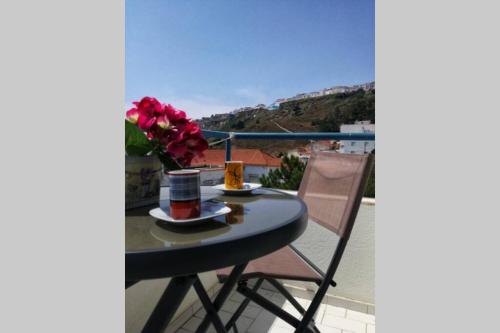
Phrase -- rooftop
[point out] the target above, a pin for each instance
(217, 157)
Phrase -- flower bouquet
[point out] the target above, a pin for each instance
(158, 137)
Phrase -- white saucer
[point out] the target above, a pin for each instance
(209, 210)
(247, 188)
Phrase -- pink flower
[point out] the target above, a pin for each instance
(163, 122)
(192, 128)
(133, 116)
(171, 131)
(174, 115)
(150, 106)
(145, 122)
(177, 149)
(189, 143)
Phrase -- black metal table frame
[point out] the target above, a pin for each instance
(175, 293)
(145, 265)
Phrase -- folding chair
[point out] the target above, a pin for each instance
(332, 188)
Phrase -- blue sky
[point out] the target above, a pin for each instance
(209, 57)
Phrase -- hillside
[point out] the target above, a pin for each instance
(319, 114)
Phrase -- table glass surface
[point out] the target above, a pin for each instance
(262, 210)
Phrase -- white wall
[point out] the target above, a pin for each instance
(254, 172)
(356, 147)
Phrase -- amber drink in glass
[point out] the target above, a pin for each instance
(233, 175)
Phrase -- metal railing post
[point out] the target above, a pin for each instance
(228, 150)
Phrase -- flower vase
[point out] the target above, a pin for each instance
(142, 181)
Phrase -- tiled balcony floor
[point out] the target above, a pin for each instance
(335, 315)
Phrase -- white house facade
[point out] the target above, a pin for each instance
(357, 147)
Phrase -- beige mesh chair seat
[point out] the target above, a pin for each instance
(332, 188)
(281, 264)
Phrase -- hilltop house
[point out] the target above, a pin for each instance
(327, 91)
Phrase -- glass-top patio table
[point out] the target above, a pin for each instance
(258, 224)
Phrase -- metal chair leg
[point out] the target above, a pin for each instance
(223, 294)
(243, 305)
(291, 299)
(316, 301)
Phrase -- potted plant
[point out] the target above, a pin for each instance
(158, 138)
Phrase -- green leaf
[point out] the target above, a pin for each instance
(136, 142)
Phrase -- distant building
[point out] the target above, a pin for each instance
(246, 108)
(321, 145)
(357, 147)
(256, 162)
(276, 104)
(364, 86)
(303, 153)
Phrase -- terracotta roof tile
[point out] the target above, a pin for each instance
(217, 157)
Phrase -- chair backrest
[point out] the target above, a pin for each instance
(332, 188)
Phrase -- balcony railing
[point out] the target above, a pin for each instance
(285, 136)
